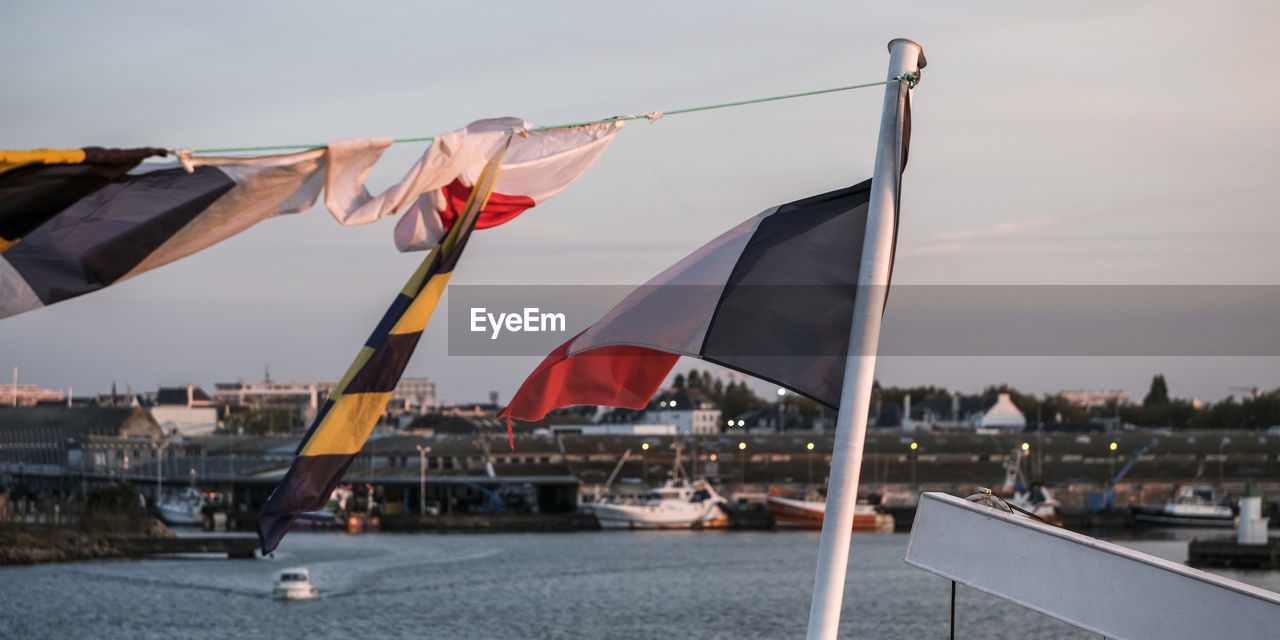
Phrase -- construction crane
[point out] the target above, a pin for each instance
(1105, 500)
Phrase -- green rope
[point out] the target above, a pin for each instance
(911, 80)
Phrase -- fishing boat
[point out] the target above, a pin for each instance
(674, 505)
(1038, 501)
(680, 503)
(1033, 498)
(1194, 506)
(807, 512)
(294, 584)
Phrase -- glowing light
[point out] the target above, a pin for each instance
(672, 403)
(781, 391)
(731, 423)
(1113, 446)
(713, 457)
(1026, 446)
(742, 446)
(645, 446)
(742, 423)
(809, 446)
(914, 445)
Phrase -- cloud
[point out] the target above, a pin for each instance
(965, 239)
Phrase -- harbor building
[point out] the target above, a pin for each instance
(185, 410)
(1094, 399)
(27, 395)
(411, 395)
(690, 410)
(52, 446)
(962, 412)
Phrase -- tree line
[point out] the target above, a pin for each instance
(1158, 408)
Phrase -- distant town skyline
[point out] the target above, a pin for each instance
(1089, 143)
(1116, 369)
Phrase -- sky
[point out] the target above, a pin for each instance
(1088, 143)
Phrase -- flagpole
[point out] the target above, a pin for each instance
(905, 56)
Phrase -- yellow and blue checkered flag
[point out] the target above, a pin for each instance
(351, 411)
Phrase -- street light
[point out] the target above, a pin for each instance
(782, 393)
(1225, 441)
(644, 462)
(422, 479)
(742, 447)
(159, 447)
(914, 446)
(810, 448)
(1113, 446)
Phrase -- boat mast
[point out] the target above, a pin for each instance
(905, 56)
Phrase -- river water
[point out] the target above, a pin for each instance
(612, 584)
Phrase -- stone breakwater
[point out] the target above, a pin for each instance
(36, 544)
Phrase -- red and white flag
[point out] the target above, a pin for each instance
(538, 165)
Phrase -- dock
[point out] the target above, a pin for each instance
(237, 547)
(1228, 553)
(491, 523)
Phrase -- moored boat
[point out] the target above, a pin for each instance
(801, 513)
(674, 505)
(679, 503)
(1039, 502)
(1194, 506)
(182, 509)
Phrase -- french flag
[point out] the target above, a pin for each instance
(772, 297)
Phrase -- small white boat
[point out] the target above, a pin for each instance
(294, 584)
(1195, 506)
(182, 508)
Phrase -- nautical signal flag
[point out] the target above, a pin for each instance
(538, 165)
(36, 185)
(772, 297)
(76, 221)
(344, 422)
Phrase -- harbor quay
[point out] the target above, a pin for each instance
(444, 481)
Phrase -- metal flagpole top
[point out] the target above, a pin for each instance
(920, 61)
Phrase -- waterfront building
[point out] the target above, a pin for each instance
(47, 444)
(614, 429)
(1001, 414)
(411, 395)
(186, 410)
(1094, 399)
(477, 410)
(27, 395)
(962, 412)
(690, 410)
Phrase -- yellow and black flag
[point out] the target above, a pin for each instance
(38, 184)
(348, 416)
(74, 221)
